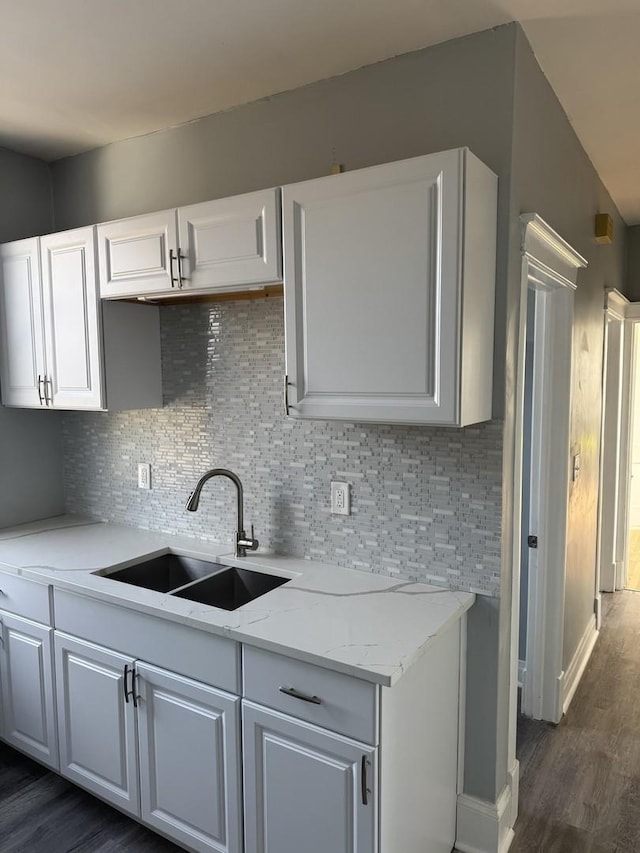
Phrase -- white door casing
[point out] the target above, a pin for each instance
(609, 516)
(550, 265)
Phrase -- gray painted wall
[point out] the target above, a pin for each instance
(30, 442)
(633, 263)
(458, 93)
(553, 176)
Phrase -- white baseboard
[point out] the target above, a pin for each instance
(485, 827)
(522, 672)
(570, 678)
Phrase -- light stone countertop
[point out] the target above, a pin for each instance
(362, 624)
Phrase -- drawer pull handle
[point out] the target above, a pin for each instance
(363, 780)
(131, 692)
(304, 697)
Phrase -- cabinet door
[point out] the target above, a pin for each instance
(304, 787)
(189, 760)
(96, 722)
(21, 326)
(137, 256)
(26, 680)
(231, 242)
(72, 320)
(371, 277)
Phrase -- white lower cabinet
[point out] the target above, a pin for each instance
(97, 726)
(189, 760)
(306, 788)
(26, 687)
(158, 745)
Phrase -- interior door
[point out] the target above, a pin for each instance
(72, 320)
(22, 365)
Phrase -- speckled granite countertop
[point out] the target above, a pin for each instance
(361, 624)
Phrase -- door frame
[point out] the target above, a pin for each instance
(616, 391)
(631, 323)
(550, 265)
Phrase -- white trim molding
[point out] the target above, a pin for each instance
(485, 827)
(522, 672)
(571, 676)
(545, 250)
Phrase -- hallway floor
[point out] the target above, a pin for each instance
(580, 780)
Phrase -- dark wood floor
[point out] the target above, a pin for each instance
(42, 813)
(580, 780)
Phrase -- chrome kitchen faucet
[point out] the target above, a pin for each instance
(242, 541)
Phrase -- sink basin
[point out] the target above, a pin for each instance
(231, 589)
(166, 572)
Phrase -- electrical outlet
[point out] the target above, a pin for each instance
(144, 475)
(340, 498)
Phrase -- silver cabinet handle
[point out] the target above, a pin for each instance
(181, 278)
(40, 385)
(48, 383)
(303, 697)
(172, 258)
(130, 692)
(286, 395)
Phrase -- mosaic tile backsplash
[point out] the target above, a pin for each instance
(426, 501)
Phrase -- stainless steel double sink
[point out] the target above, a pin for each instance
(198, 580)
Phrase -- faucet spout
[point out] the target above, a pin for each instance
(242, 541)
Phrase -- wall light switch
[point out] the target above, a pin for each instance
(340, 498)
(144, 475)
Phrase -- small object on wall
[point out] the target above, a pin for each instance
(604, 229)
(340, 498)
(576, 467)
(144, 475)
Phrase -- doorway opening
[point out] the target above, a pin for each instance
(633, 541)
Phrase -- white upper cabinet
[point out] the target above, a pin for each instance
(389, 277)
(217, 246)
(59, 347)
(137, 256)
(21, 324)
(72, 320)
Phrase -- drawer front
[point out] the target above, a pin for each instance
(346, 705)
(178, 648)
(25, 598)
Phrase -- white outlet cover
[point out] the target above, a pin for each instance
(144, 475)
(340, 498)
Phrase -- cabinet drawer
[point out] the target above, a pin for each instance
(25, 598)
(346, 705)
(196, 654)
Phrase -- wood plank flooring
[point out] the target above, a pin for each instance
(40, 812)
(580, 780)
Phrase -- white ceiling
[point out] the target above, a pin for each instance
(76, 74)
